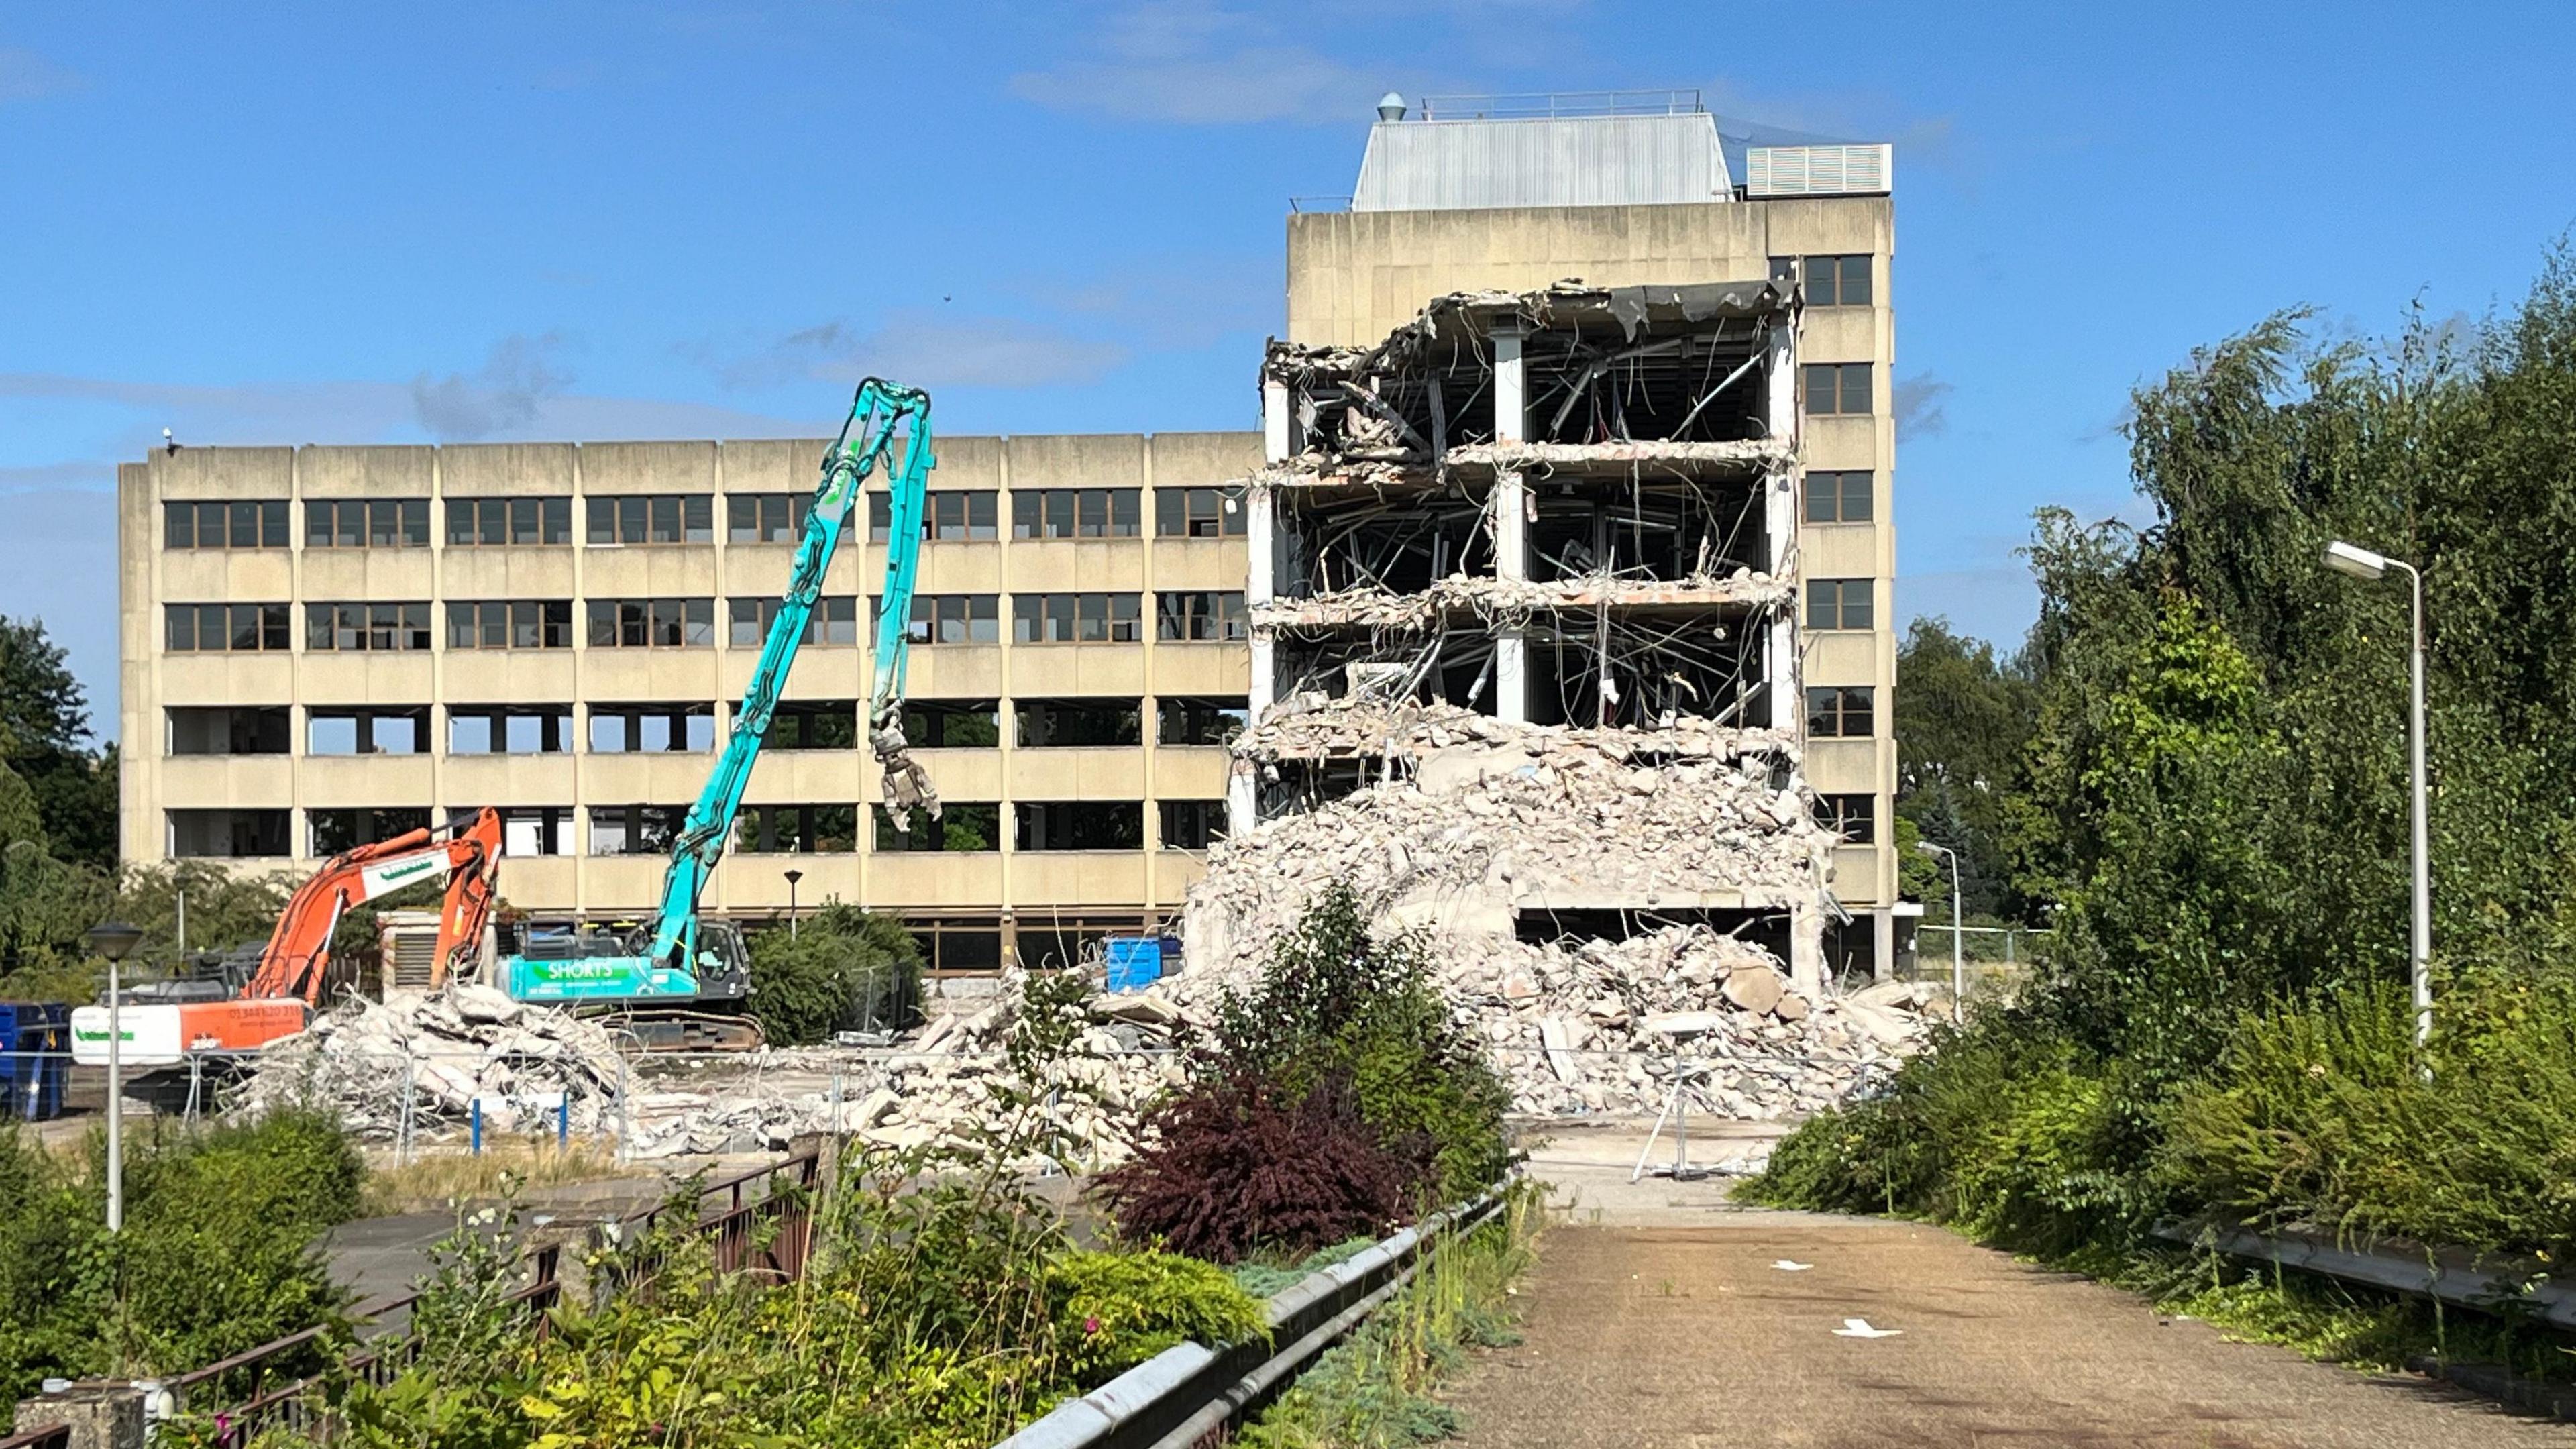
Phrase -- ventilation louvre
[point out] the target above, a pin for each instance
(1819, 170)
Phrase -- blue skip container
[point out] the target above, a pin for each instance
(1136, 962)
(35, 1058)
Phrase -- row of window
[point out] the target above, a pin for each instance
(618, 729)
(964, 827)
(671, 518)
(1179, 617)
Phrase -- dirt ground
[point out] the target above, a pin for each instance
(1656, 1317)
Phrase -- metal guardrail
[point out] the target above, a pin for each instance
(1189, 1391)
(2450, 1275)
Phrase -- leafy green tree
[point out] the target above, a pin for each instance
(44, 737)
(1963, 716)
(840, 970)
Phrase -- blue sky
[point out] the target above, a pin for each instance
(346, 223)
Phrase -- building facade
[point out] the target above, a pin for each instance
(1613, 325)
(1643, 354)
(325, 646)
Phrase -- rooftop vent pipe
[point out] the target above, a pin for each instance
(1390, 107)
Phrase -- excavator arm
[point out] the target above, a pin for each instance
(468, 858)
(880, 413)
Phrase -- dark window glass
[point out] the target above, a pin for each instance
(179, 628)
(1124, 508)
(1060, 506)
(272, 524)
(1841, 497)
(1853, 817)
(1192, 824)
(1028, 513)
(1179, 720)
(1855, 287)
(666, 520)
(962, 826)
(1048, 723)
(1839, 711)
(178, 525)
(952, 724)
(1840, 604)
(1200, 615)
(1079, 825)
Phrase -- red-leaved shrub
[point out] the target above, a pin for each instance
(1239, 1164)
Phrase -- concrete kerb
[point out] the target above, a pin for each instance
(1188, 1390)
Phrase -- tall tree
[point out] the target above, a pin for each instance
(45, 739)
(1963, 716)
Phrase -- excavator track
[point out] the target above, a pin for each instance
(684, 1031)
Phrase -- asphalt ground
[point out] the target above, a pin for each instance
(1656, 1316)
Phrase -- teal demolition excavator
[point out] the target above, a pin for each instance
(663, 980)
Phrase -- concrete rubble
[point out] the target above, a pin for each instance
(526, 1063)
(1466, 826)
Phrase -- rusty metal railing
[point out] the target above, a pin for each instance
(54, 1436)
(760, 1222)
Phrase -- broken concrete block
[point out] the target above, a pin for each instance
(1790, 1007)
(1757, 989)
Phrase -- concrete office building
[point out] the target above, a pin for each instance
(1582, 417)
(325, 646)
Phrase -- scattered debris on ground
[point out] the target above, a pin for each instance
(527, 1063)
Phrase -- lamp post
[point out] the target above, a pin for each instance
(2361, 563)
(1958, 921)
(113, 940)
(793, 877)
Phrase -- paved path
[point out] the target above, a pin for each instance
(1656, 1318)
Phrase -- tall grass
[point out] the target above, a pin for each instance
(1374, 1391)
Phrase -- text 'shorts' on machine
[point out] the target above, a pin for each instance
(655, 974)
(278, 1001)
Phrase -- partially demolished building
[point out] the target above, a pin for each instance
(1570, 558)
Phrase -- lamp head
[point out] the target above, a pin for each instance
(794, 876)
(2361, 563)
(113, 939)
(1925, 847)
(1390, 107)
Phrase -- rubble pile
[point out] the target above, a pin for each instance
(1503, 816)
(1597, 1026)
(528, 1063)
(445, 1050)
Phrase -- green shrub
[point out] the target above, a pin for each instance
(839, 971)
(2322, 1115)
(1337, 1001)
(218, 1253)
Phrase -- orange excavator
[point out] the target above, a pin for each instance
(279, 1000)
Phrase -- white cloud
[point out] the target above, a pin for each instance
(503, 396)
(924, 347)
(513, 397)
(1196, 63)
(27, 76)
(1922, 407)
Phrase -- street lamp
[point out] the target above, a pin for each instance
(1958, 932)
(113, 939)
(793, 877)
(2361, 563)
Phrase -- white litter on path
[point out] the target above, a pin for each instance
(1859, 1328)
(1787, 1266)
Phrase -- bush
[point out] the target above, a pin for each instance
(218, 1253)
(1336, 1001)
(1242, 1162)
(840, 971)
(1332, 1096)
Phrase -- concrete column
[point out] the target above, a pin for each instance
(1882, 944)
(1783, 504)
(1511, 520)
(1240, 813)
(1807, 948)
